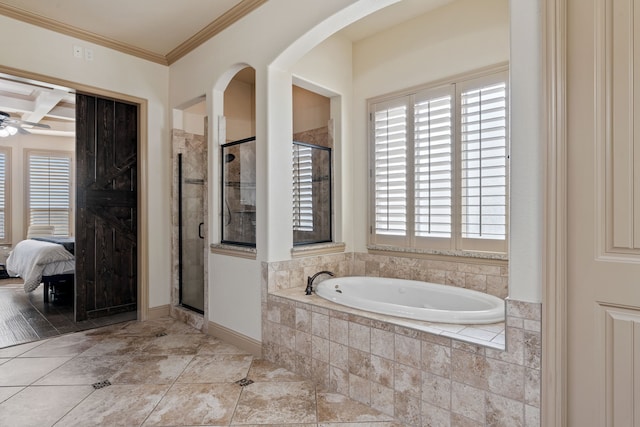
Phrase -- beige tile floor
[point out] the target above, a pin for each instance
(161, 373)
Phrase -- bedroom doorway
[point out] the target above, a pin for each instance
(42, 320)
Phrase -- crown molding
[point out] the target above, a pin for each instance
(225, 20)
(231, 16)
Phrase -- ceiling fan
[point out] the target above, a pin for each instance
(10, 125)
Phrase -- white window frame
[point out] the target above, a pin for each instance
(454, 86)
(27, 180)
(6, 191)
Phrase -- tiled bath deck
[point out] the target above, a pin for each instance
(162, 373)
(489, 335)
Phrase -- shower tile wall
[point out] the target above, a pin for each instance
(194, 171)
(419, 378)
(321, 191)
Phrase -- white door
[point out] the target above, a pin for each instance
(603, 187)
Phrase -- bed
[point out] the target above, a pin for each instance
(42, 260)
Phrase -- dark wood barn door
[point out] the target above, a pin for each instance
(106, 214)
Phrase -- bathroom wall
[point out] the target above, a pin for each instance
(239, 109)
(120, 73)
(310, 110)
(417, 377)
(462, 36)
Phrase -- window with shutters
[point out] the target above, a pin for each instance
(302, 188)
(5, 229)
(49, 190)
(311, 193)
(439, 174)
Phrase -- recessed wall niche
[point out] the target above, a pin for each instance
(312, 167)
(238, 162)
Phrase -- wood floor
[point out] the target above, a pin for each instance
(25, 317)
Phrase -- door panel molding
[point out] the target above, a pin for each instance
(617, 47)
(619, 334)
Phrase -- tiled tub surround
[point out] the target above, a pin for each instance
(484, 275)
(420, 376)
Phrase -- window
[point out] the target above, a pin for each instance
(5, 158)
(49, 190)
(311, 193)
(302, 188)
(439, 166)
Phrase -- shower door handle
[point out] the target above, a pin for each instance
(200, 230)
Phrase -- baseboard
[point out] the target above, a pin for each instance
(243, 342)
(154, 313)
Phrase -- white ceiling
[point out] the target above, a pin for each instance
(154, 27)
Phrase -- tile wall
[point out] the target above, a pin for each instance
(417, 377)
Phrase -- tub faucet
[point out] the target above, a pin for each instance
(310, 279)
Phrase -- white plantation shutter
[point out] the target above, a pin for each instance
(484, 161)
(4, 166)
(302, 187)
(439, 169)
(433, 163)
(49, 189)
(390, 129)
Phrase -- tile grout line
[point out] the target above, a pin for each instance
(235, 407)
(170, 386)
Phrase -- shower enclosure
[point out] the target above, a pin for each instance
(191, 233)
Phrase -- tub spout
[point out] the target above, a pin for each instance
(310, 279)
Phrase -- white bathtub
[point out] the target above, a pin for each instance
(413, 299)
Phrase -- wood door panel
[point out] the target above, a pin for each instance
(106, 241)
(603, 211)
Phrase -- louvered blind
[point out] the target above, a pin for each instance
(433, 151)
(3, 196)
(49, 191)
(439, 158)
(484, 162)
(390, 169)
(302, 187)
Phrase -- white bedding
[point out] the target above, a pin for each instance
(32, 259)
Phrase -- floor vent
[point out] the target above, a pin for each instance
(161, 334)
(244, 382)
(101, 384)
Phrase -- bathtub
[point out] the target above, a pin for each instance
(413, 299)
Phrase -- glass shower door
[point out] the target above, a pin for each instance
(191, 235)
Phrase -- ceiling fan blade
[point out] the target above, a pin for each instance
(19, 123)
(23, 131)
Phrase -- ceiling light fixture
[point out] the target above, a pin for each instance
(6, 130)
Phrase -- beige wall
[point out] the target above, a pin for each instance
(462, 36)
(310, 110)
(239, 110)
(19, 144)
(47, 53)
